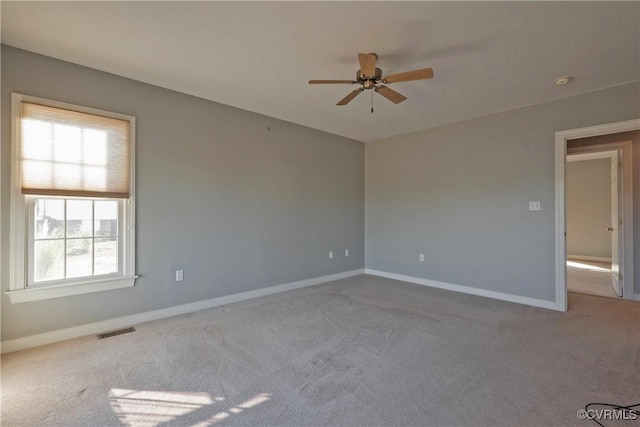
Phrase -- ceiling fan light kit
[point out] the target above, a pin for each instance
(370, 77)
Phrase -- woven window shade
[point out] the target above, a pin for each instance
(69, 153)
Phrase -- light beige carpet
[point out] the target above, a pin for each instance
(360, 351)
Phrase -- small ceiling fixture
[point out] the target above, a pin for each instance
(560, 81)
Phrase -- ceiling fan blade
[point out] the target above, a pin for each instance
(321, 82)
(367, 64)
(390, 94)
(425, 73)
(347, 99)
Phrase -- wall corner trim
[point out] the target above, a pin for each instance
(31, 341)
(534, 302)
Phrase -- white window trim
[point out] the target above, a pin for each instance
(18, 289)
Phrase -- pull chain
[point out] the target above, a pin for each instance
(371, 102)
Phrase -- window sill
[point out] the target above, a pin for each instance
(65, 290)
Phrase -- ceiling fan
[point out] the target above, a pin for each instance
(370, 77)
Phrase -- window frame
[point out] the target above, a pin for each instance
(20, 290)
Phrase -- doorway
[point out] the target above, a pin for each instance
(593, 198)
(611, 134)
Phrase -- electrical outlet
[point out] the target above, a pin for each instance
(330, 254)
(421, 258)
(179, 275)
(346, 252)
(534, 206)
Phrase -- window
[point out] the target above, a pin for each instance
(72, 238)
(72, 200)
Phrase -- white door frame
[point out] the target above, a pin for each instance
(560, 234)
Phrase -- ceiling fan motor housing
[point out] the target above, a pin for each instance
(369, 82)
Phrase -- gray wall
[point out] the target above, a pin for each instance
(588, 208)
(459, 194)
(634, 137)
(238, 200)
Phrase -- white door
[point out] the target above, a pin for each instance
(616, 227)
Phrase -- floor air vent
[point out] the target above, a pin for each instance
(114, 333)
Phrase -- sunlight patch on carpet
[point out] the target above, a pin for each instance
(586, 266)
(152, 408)
(247, 404)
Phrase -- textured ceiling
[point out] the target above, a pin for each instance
(258, 56)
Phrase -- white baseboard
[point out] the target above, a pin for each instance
(552, 305)
(589, 258)
(23, 343)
